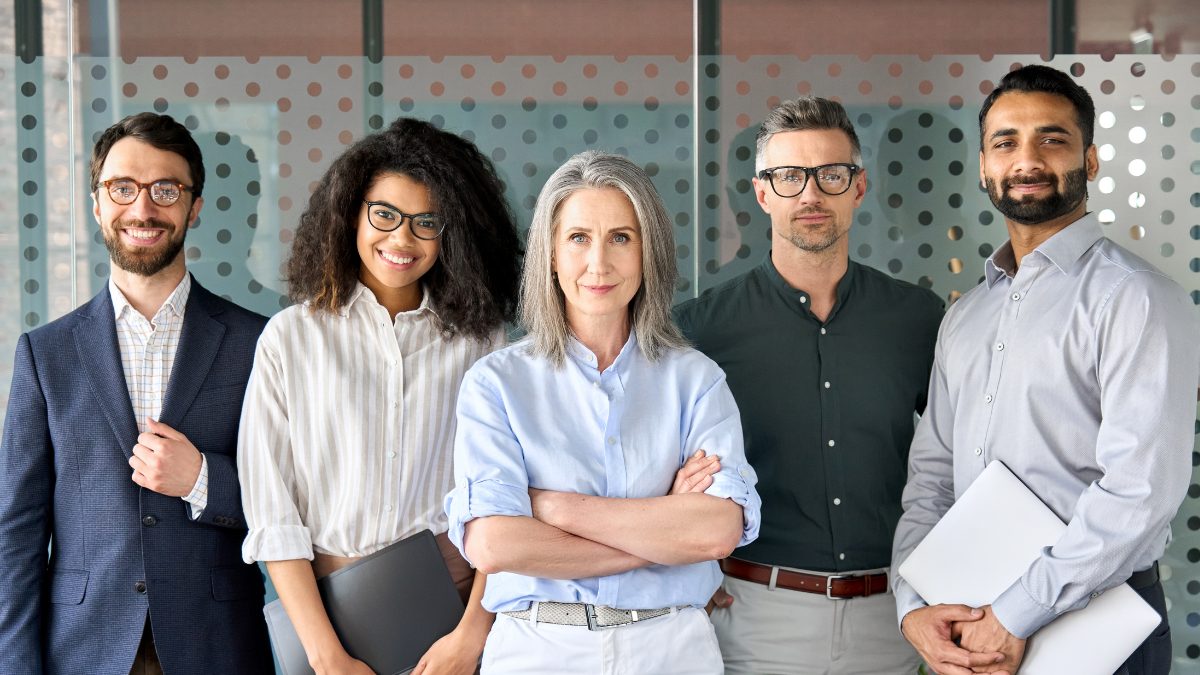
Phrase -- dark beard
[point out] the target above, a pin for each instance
(1033, 210)
(145, 263)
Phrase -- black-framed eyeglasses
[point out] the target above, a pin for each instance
(832, 179)
(125, 191)
(385, 218)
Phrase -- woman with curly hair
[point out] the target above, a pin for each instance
(404, 269)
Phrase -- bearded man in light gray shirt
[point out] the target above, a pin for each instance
(1075, 363)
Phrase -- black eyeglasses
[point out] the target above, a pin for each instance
(383, 217)
(125, 191)
(789, 181)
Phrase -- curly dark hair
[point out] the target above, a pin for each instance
(473, 283)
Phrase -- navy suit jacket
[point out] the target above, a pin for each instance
(118, 551)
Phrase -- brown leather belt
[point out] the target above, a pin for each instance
(835, 586)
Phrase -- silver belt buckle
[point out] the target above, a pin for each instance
(589, 613)
(829, 584)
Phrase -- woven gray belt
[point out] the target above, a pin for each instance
(595, 617)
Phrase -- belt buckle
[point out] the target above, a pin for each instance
(829, 584)
(589, 613)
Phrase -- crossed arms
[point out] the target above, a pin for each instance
(504, 520)
(572, 536)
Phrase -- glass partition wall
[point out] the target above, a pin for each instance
(273, 90)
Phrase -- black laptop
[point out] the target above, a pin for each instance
(387, 608)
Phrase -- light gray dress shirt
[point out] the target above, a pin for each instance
(1079, 372)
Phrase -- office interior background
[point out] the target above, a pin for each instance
(273, 90)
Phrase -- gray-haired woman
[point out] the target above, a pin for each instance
(568, 454)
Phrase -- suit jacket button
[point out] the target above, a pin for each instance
(139, 586)
(149, 521)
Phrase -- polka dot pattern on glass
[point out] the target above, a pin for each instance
(270, 126)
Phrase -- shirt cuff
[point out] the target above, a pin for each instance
(197, 499)
(480, 500)
(1020, 613)
(278, 542)
(739, 487)
(907, 600)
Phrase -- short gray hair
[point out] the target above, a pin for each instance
(542, 311)
(804, 114)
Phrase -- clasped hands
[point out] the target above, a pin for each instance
(961, 640)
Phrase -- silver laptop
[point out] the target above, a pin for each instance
(387, 608)
(987, 540)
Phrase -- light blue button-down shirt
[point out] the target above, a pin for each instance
(1078, 371)
(625, 432)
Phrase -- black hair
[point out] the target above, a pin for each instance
(1044, 79)
(473, 283)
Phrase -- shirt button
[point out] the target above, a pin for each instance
(612, 440)
(822, 331)
(387, 507)
(1016, 296)
(596, 385)
(987, 399)
(837, 501)
(392, 455)
(999, 346)
(841, 556)
(139, 586)
(831, 444)
(149, 521)
(978, 451)
(803, 299)
(827, 385)
(1095, 595)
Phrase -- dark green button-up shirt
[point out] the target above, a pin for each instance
(827, 408)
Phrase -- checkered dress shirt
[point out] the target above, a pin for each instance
(148, 350)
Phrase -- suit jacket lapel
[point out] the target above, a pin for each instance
(199, 342)
(100, 356)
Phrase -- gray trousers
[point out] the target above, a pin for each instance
(790, 632)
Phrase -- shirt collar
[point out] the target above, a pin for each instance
(1063, 249)
(363, 294)
(579, 352)
(175, 303)
(844, 285)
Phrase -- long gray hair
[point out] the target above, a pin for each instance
(541, 309)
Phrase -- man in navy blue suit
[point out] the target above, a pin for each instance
(120, 515)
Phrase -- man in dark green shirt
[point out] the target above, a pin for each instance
(828, 361)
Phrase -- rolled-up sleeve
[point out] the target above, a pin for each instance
(715, 426)
(490, 477)
(266, 465)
